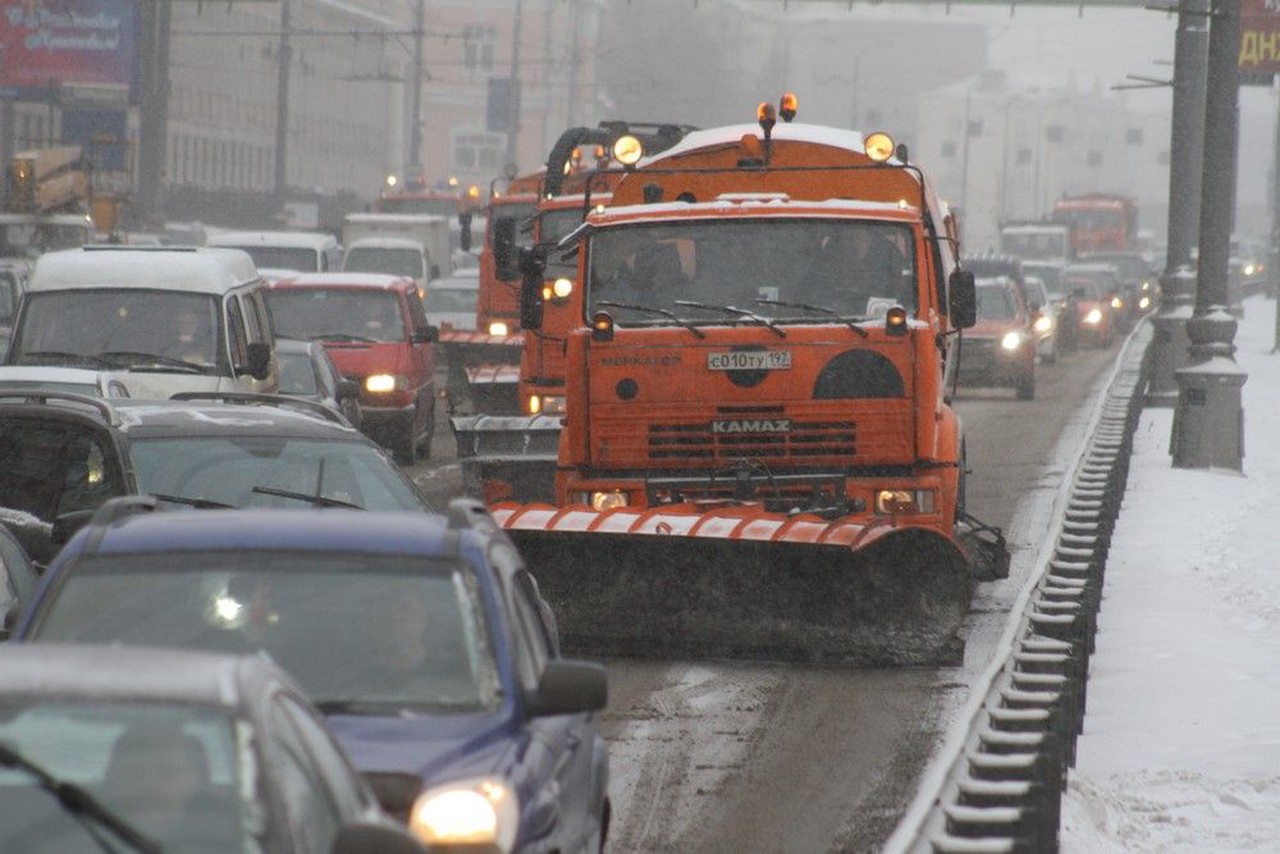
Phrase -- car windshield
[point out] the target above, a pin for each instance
(121, 328)
(996, 302)
(336, 313)
(283, 257)
(357, 629)
(1083, 288)
(553, 226)
(1050, 274)
(296, 374)
(446, 299)
(245, 471)
(392, 261)
(853, 268)
(180, 774)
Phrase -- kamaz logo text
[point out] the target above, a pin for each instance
(776, 425)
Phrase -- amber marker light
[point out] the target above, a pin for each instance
(879, 146)
(602, 326)
(787, 106)
(766, 116)
(895, 321)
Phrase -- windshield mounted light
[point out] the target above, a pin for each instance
(895, 321)
(627, 150)
(499, 329)
(879, 146)
(602, 326)
(787, 106)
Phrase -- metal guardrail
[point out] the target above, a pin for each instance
(997, 786)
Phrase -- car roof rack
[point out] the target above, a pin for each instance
(28, 395)
(281, 400)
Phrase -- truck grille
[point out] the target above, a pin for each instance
(764, 436)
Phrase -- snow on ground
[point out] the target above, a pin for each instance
(1181, 742)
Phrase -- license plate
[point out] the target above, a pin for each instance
(750, 360)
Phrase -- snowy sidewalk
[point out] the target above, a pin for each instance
(1181, 743)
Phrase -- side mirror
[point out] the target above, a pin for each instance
(505, 258)
(425, 335)
(962, 299)
(258, 360)
(434, 271)
(371, 838)
(568, 688)
(533, 263)
(347, 389)
(66, 524)
(464, 232)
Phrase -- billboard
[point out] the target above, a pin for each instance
(1259, 37)
(46, 44)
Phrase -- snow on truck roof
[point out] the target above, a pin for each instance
(771, 204)
(197, 270)
(850, 140)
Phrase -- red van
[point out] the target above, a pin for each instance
(376, 331)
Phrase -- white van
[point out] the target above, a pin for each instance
(281, 253)
(162, 319)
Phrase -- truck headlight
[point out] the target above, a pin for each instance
(894, 502)
(562, 287)
(1094, 317)
(1011, 340)
(499, 329)
(383, 383)
(609, 500)
(549, 404)
(481, 812)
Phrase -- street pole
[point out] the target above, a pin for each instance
(284, 58)
(514, 126)
(1208, 425)
(1186, 157)
(413, 157)
(153, 107)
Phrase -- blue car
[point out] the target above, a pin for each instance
(422, 639)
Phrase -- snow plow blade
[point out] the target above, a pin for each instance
(475, 359)
(508, 457)
(743, 583)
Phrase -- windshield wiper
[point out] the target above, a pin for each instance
(343, 336)
(818, 309)
(201, 503)
(37, 358)
(665, 312)
(81, 804)
(153, 358)
(318, 500)
(737, 312)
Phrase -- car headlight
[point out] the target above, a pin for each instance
(1044, 323)
(1250, 269)
(1011, 340)
(481, 812)
(894, 502)
(1144, 303)
(1094, 317)
(550, 404)
(383, 383)
(499, 329)
(1117, 303)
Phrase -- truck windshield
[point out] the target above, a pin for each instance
(1039, 245)
(552, 227)
(119, 328)
(383, 259)
(854, 268)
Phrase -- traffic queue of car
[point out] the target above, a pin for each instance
(1032, 311)
(233, 622)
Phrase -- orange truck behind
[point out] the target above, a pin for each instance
(758, 455)
(1100, 222)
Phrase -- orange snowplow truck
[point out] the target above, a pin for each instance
(506, 455)
(1099, 222)
(758, 456)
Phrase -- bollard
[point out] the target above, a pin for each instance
(1208, 424)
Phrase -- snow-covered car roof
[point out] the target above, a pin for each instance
(174, 268)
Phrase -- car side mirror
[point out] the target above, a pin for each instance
(258, 360)
(505, 258)
(425, 335)
(370, 838)
(66, 524)
(568, 688)
(962, 299)
(347, 389)
(533, 264)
